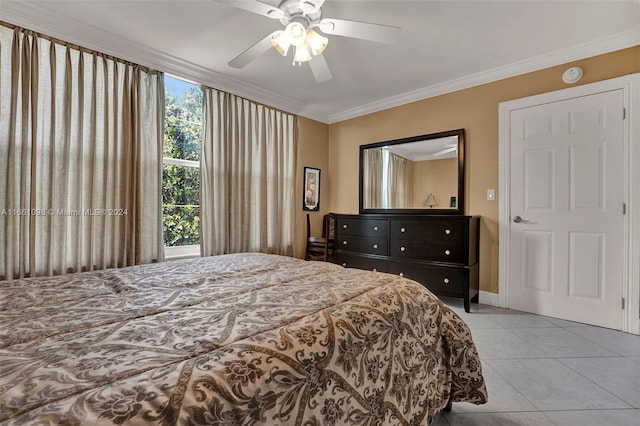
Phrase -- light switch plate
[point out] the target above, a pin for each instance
(491, 194)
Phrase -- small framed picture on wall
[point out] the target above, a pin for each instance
(311, 189)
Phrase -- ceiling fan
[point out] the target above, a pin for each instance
(301, 19)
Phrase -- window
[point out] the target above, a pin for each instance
(181, 168)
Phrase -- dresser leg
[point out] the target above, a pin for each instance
(467, 305)
(449, 405)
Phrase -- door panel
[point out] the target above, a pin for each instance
(586, 263)
(567, 177)
(538, 251)
(587, 177)
(538, 180)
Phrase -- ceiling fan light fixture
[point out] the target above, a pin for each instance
(296, 32)
(316, 42)
(302, 54)
(281, 43)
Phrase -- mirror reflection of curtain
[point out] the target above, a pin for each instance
(372, 178)
(396, 177)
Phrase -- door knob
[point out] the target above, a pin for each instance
(519, 219)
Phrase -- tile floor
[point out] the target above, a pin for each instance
(545, 371)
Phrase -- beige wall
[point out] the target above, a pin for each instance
(313, 151)
(439, 177)
(475, 110)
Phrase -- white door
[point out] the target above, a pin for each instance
(566, 212)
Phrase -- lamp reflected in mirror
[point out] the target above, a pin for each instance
(431, 201)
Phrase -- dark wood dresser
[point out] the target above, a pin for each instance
(440, 251)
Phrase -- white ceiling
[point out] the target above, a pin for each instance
(430, 149)
(444, 46)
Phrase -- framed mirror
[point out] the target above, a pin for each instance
(421, 174)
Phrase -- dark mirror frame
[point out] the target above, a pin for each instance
(461, 168)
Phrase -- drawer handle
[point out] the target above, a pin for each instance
(448, 231)
(375, 246)
(446, 280)
(375, 228)
(344, 264)
(402, 230)
(402, 274)
(375, 270)
(447, 252)
(402, 249)
(344, 243)
(345, 226)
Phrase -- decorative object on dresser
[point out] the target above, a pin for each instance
(431, 201)
(438, 251)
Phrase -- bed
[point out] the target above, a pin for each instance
(232, 339)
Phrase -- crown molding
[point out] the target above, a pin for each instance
(585, 50)
(37, 19)
(30, 16)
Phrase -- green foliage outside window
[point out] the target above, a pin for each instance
(181, 208)
(181, 183)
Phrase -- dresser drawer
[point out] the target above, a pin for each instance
(437, 279)
(362, 227)
(361, 262)
(451, 232)
(366, 245)
(436, 252)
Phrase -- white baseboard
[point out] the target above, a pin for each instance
(488, 298)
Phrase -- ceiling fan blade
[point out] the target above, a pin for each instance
(255, 6)
(320, 69)
(363, 30)
(311, 6)
(243, 59)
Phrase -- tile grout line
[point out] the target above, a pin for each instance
(596, 384)
(614, 355)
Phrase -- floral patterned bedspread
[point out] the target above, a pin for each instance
(233, 339)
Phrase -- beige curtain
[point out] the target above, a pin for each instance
(247, 177)
(372, 171)
(397, 181)
(80, 159)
